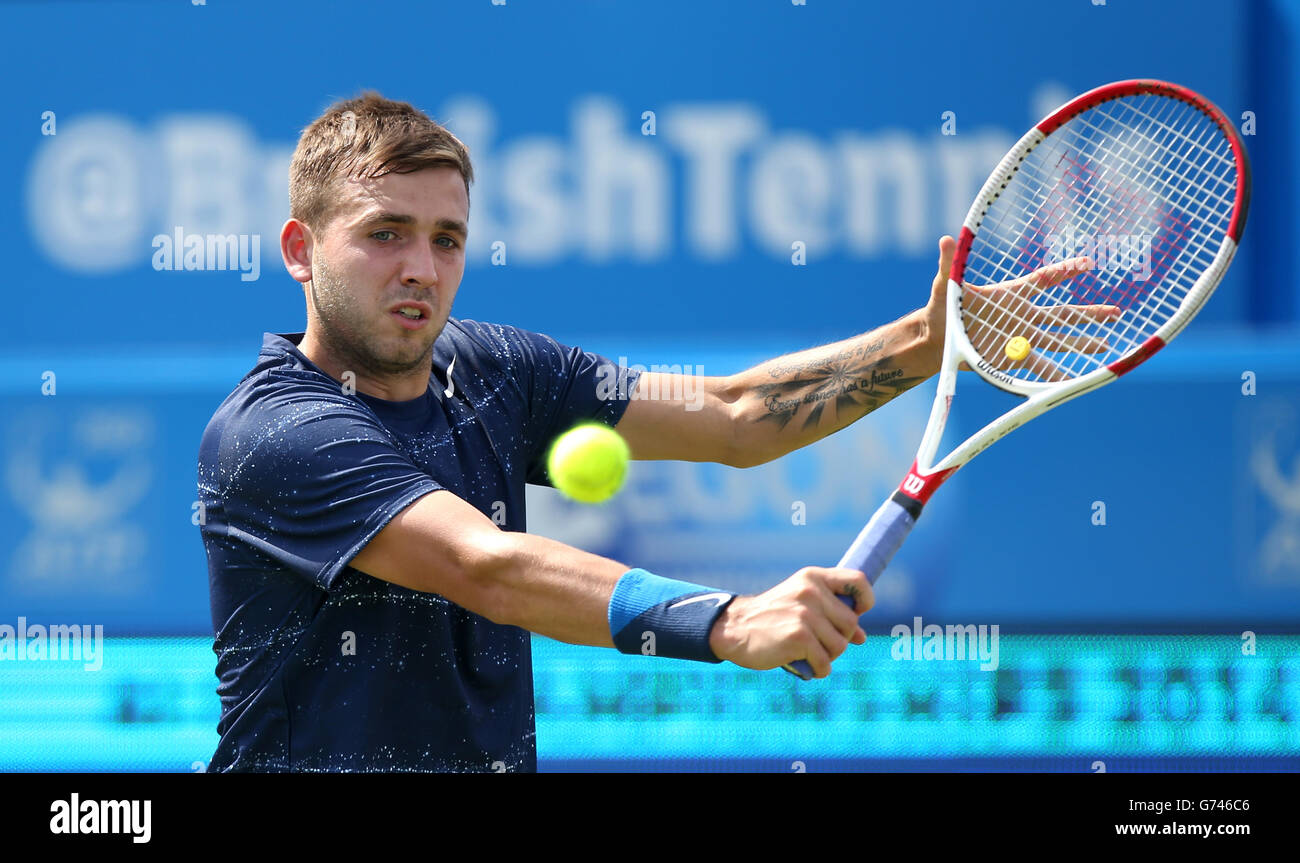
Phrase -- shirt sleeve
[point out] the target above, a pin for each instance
(308, 476)
(561, 386)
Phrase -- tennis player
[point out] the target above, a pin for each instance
(372, 586)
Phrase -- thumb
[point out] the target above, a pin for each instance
(947, 250)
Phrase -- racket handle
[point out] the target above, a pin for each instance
(875, 546)
(871, 552)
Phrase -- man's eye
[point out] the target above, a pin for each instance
(449, 243)
(384, 236)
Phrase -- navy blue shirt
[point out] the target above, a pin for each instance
(321, 667)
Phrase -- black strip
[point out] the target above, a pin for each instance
(911, 504)
(1041, 809)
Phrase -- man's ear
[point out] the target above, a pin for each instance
(296, 242)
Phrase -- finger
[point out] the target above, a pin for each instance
(1054, 274)
(994, 303)
(843, 581)
(831, 639)
(947, 250)
(815, 655)
(1048, 341)
(839, 615)
(1043, 278)
(1045, 368)
(989, 343)
(1069, 315)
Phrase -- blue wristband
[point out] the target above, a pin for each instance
(658, 616)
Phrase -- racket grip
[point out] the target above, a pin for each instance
(871, 552)
(883, 535)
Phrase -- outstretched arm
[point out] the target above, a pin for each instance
(765, 412)
(441, 544)
(781, 405)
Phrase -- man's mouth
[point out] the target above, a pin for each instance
(413, 316)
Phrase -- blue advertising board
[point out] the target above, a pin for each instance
(1168, 498)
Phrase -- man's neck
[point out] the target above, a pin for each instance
(400, 387)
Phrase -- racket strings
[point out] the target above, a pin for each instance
(1145, 186)
(1076, 177)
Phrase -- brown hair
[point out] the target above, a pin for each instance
(366, 137)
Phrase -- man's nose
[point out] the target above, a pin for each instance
(420, 267)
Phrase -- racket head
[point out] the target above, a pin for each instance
(1145, 182)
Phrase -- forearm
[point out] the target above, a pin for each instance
(795, 400)
(567, 594)
(553, 589)
(440, 544)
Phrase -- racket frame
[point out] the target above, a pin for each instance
(888, 528)
(925, 474)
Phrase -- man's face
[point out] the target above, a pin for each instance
(386, 266)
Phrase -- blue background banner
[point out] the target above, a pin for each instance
(823, 122)
(642, 172)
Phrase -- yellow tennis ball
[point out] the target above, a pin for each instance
(1017, 348)
(588, 463)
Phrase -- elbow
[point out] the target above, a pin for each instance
(486, 575)
(746, 457)
(742, 447)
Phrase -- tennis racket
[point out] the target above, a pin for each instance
(1095, 240)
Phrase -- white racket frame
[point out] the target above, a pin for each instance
(1042, 396)
(888, 528)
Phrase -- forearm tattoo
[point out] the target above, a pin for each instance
(853, 379)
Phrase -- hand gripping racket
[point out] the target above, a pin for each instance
(1091, 245)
